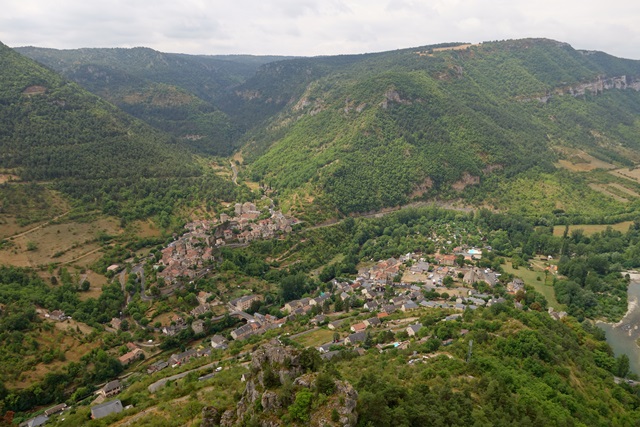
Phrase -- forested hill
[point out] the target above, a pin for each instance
(363, 132)
(52, 130)
(176, 93)
(527, 125)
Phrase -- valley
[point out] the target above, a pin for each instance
(428, 235)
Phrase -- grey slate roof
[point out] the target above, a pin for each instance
(105, 409)
(415, 328)
(36, 421)
(110, 386)
(356, 338)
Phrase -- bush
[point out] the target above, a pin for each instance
(325, 384)
(301, 406)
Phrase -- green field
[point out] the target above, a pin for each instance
(315, 338)
(531, 278)
(590, 229)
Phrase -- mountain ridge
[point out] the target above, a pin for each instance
(132, 78)
(428, 104)
(53, 131)
(447, 121)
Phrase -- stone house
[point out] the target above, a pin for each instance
(111, 389)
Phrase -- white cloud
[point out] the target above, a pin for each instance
(315, 27)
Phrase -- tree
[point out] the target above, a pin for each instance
(622, 366)
(368, 341)
(310, 359)
(293, 287)
(447, 281)
(327, 273)
(270, 377)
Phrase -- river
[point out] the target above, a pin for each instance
(622, 336)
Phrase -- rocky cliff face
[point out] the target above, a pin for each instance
(277, 383)
(595, 87)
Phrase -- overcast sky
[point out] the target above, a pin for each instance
(316, 27)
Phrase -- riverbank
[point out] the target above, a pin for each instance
(623, 335)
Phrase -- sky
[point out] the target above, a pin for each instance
(315, 27)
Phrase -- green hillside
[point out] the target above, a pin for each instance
(53, 131)
(176, 93)
(532, 125)
(369, 131)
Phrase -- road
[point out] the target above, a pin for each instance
(139, 270)
(122, 283)
(84, 255)
(161, 383)
(619, 380)
(299, 334)
(234, 169)
(38, 227)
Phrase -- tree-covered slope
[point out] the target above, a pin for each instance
(369, 131)
(173, 92)
(52, 130)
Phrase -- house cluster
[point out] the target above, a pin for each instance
(258, 325)
(416, 269)
(178, 359)
(204, 304)
(177, 324)
(189, 253)
(373, 286)
(132, 355)
(303, 306)
(185, 256)
(360, 332)
(43, 418)
(245, 225)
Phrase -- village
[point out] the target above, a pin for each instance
(189, 254)
(386, 297)
(380, 308)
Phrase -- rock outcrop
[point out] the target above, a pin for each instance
(594, 87)
(210, 417)
(277, 377)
